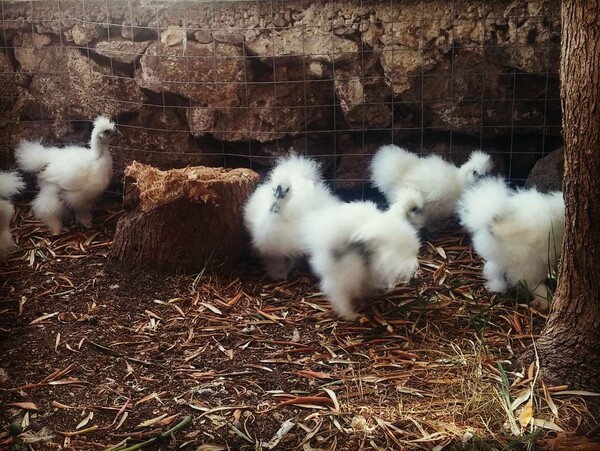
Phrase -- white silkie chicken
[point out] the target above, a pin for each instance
(518, 233)
(11, 183)
(358, 251)
(293, 188)
(441, 183)
(70, 177)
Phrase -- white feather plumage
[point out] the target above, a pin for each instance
(518, 234)
(357, 250)
(73, 176)
(412, 203)
(482, 202)
(11, 184)
(439, 182)
(477, 166)
(272, 214)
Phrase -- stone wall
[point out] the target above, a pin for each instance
(236, 83)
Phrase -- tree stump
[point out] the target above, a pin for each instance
(181, 219)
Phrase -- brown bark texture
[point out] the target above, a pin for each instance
(569, 346)
(182, 219)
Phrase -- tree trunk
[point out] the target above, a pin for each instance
(569, 346)
(181, 219)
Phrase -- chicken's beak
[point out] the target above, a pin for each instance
(279, 193)
(115, 134)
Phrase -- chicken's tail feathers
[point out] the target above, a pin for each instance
(11, 183)
(389, 163)
(32, 157)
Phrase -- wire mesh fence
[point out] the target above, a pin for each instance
(237, 83)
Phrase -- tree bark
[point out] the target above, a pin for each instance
(181, 219)
(569, 346)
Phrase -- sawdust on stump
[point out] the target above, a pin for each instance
(182, 219)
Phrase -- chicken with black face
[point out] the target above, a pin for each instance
(272, 215)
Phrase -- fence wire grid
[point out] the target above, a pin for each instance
(237, 83)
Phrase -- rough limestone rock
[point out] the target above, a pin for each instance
(547, 174)
(159, 137)
(271, 113)
(12, 133)
(121, 50)
(70, 85)
(365, 102)
(182, 219)
(293, 44)
(208, 74)
(173, 35)
(49, 132)
(82, 34)
(8, 89)
(440, 63)
(518, 35)
(234, 73)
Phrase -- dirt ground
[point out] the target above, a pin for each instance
(92, 359)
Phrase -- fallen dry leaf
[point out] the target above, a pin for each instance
(526, 414)
(313, 374)
(23, 405)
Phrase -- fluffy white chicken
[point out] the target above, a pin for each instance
(11, 183)
(518, 234)
(73, 176)
(293, 188)
(357, 250)
(440, 182)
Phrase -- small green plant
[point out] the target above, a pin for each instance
(522, 441)
(479, 322)
(479, 316)
(210, 264)
(525, 441)
(15, 429)
(551, 281)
